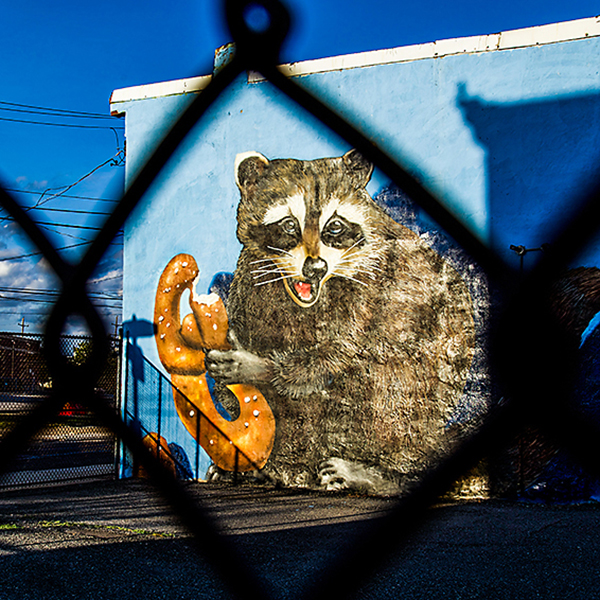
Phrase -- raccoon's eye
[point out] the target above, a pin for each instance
(335, 227)
(340, 233)
(289, 225)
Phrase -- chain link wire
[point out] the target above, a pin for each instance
(532, 392)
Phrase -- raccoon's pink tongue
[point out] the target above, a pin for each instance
(303, 289)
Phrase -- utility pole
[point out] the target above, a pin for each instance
(23, 325)
(116, 324)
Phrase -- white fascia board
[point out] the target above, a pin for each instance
(158, 90)
(550, 34)
(518, 38)
(508, 40)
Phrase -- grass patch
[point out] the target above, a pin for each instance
(119, 528)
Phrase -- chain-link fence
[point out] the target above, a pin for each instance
(531, 391)
(74, 444)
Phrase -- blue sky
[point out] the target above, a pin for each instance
(70, 55)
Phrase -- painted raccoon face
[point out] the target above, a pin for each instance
(312, 222)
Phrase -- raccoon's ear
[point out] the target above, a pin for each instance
(359, 167)
(249, 168)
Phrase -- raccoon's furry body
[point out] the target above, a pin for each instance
(359, 335)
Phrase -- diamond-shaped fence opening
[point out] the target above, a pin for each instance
(530, 393)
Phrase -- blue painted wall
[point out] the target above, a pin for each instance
(505, 138)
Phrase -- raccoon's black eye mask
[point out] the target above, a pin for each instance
(341, 233)
(284, 234)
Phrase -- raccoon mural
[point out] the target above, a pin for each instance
(359, 336)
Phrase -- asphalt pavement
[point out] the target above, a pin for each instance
(119, 539)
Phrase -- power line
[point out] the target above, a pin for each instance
(56, 114)
(41, 303)
(44, 291)
(58, 110)
(30, 122)
(30, 296)
(16, 311)
(54, 299)
(21, 256)
(67, 225)
(115, 160)
(69, 211)
(62, 195)
(38, 253)
(25, 296)
(63, 233)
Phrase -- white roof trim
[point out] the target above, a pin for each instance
(157, 90)
(508, 40)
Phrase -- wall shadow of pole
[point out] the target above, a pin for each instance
(134, 367)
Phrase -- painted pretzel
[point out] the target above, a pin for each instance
(243, 444)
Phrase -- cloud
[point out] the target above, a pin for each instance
(35, 273)
(5, 269)
(32, 186)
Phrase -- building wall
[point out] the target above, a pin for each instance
(507, 138)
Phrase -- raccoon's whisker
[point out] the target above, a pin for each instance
(343, 272)
(263, 273)
(275, 262)
(345, 269)
(369, 269)
(266, 270)
(349, 261)
(355, 256)
(365, 268)
(261, 260)
(280, 250)
(274, 268)
(353, 279)
(353, 246)
(272, 280)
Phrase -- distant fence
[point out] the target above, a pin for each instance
(73, 445)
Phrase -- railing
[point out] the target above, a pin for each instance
(533, 391)
(148, 408)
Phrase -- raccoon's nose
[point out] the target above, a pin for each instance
(314, 268)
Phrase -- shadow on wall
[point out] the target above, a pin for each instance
(133, 330)
(540, 155)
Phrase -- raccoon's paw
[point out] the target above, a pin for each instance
(340, 474)
(238, 366)
(214, 473)
(217, 475)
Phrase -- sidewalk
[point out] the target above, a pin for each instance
(118, 540)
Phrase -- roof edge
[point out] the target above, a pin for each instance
(157, 90)
(517, 38)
